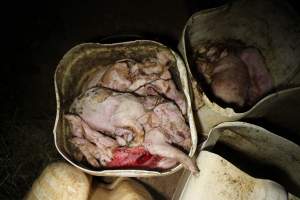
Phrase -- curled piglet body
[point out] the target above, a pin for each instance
(151, 76)
(113, 129)
(236, 74)
(112, 113)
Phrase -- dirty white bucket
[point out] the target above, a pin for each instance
(72, 75)
(270, 25)
(220, 179)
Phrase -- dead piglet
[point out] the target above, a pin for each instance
(157, 143)
(230, 80)
(102, 151)
(148, 77)
(163, 127)
(112, 113)
(236, 74)
(151, 122)
(173, 124)
(94, 146)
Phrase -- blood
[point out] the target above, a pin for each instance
(133, 157)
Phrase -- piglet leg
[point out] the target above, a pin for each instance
(75, 125)
(173, 124)
(131, 131)
(88, 150)
(98, 138)
(92, 144)
(166, 163)
(155, 143)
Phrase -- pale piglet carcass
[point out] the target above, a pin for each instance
(113, 129)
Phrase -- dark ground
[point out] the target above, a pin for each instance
(36, 37)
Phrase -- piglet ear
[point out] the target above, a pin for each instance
(75, 125)
(98, 138)
(261, 80)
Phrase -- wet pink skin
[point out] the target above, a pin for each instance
(126, 103)
(239, 78)
(107, 121)
(261, 80)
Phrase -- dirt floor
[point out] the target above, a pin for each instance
(36, 37)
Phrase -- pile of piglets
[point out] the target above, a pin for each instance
(235, 73)
(132, 116)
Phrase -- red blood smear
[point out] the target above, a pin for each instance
(133, 157)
